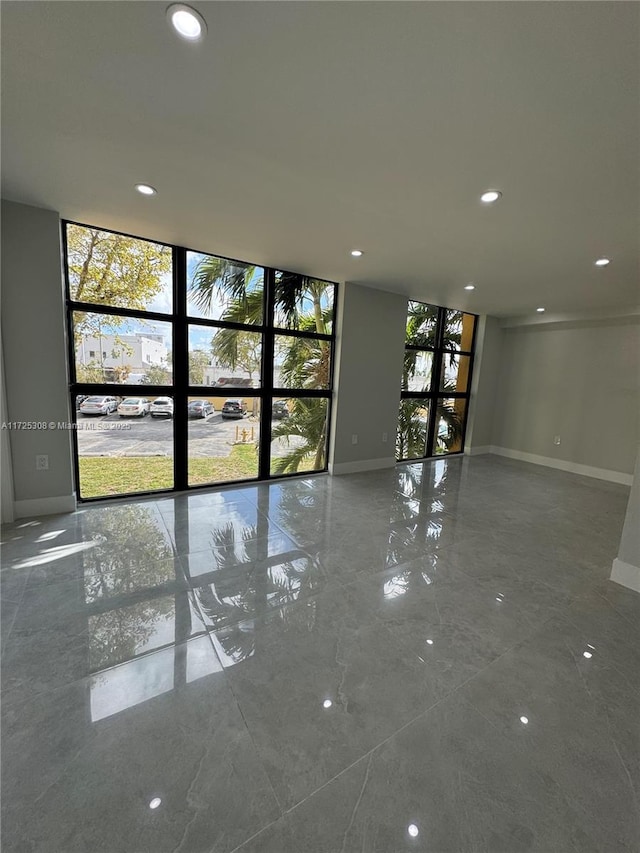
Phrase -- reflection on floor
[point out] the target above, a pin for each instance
(424, 659)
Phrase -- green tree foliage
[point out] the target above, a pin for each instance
(412, 421)
(299, 303)
(114, 270)
(307, 422)
(158, 374)
(232, 348)
(91, 372)
(198, 361)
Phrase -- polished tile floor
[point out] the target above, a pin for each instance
(422, 659)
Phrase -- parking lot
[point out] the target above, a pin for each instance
(112, 435)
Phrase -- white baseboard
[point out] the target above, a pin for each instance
(563, 465)
(626, 575)
(477, 451)
(364, 465)
(44, 506)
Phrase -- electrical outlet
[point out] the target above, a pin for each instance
(354, 439)
(556, 439)
(42, 463)
(385, 436)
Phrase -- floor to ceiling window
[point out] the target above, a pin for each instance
(436, 381)
(190, 369)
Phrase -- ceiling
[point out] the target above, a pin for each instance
(297, 131)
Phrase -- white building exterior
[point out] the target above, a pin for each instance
(136, 352)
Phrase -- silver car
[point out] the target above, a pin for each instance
(162, 407)
(98, 405)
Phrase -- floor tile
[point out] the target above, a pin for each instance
(429, 657)
(96, 755)
(449, 782)
(319, 689)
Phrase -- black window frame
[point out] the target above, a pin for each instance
(433, 395)
(179, 389)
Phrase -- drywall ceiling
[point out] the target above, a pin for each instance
(297, 131)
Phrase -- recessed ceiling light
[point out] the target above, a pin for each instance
(145, 189)
(524, 720)
(327, 703)
(602, 262)
(188, 23)
(469, 287)
(413, 830)
(155, 802)
(490, 196)
(356, 253)
(540, 310)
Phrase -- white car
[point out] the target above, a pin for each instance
(98, 405)
(162, 407)
(133, 407)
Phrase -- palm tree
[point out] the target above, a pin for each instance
(307, 422)
(300, 303)
(240, 287)
(412, 421)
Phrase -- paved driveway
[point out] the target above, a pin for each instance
(112, 435)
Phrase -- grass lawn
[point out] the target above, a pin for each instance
(111, 475)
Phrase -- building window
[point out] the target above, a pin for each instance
(244, 353)
(436, 381)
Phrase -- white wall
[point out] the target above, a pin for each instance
(578, 380)
(626, 567)
(369, 358)
(484, 385)
(6, 472)
(33, 337)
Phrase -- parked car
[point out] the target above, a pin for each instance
(80, 399)
(98, 405)
(199, 409)
(133, 407)
(162, 407)
(234, 408)
(280, 410)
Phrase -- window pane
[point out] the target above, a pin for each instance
(458, 330)
(220, 289)
(229, 358)
(125, 444)
(422, 320)
(417, 371)
(450, 417)
(455, 372)
(411, 438)
(119, 271)
(123, 350)
(299, 439)
(301, 363)
(304, 304)
(223, 439)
